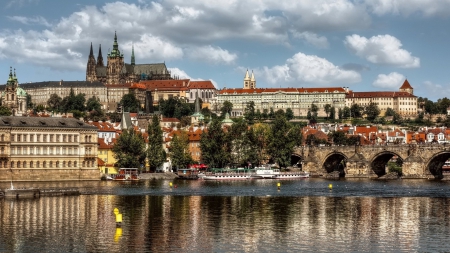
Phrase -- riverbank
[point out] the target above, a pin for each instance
(165, 175)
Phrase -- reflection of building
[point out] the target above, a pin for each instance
(14, 97)
(403, 101)
(47, 149)
(117, 71)
(299, 100)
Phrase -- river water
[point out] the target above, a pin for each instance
(233, 216)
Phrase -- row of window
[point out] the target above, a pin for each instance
(44, 151)
(44, 164)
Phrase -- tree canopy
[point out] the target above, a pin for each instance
(156, 155)
(129, 150)
(130, 103)
(179, 150)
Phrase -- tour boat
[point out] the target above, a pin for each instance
(273, 173)
(126, 174)
(227, 176)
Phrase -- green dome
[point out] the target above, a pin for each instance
(21, 92)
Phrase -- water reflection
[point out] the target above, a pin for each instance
(86, 223)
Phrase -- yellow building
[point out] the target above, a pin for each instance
(403, 101)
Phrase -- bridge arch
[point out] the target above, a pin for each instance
(335, 161)
(380, 160)
(435, 163)
(296, 160)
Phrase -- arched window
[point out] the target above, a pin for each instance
(3, 137)
(64, 164)
(38, 164)
(51, 164)
(44, 164)
(70, 164)
(31, 164)
(18, 164)
(24, 164)
(75, 164)
(57, 164)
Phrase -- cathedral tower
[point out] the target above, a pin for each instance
(114, 65)
(91, 68)
(252, 81)
(100, 57)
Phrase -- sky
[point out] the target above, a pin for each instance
(366, 45)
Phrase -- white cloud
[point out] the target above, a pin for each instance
(211, 54)
(309, 69)
(181, 74)
(383, 50)
(30, 21)
(433, 91)
(408, 7)
(391, 81)
(312, 39)
(20, 3)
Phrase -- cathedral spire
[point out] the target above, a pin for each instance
(100, 57)
(132, 55)
(92, 52)
(11, 78)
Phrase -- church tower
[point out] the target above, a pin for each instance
(100, 57)
(247, 80)
(10, 98)
(252, 81)
(91, 67)
(406, 87)
(114, 65)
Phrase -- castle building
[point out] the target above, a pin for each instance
(13, 96)
(299, 100)
(117, 71)
(403, 101)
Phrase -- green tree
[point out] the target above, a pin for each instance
(249, 112)
(340, 113)
(29, 102)
(265, 114)
(389, 112)
(54, 102)
(129, 149)
(260, 134)
(130, 103)
(442, 104)
(271, 113)
(356, 111)
(215, 145)
(372, 111)
(258, 115)
(332, 113)
(179, 150)
(397, 119)
(5, 111)
(346, 113)
(74, 103)
(240, 142)
(227, 107)
(289, 114)
(327, 109)
(283, 138)
(156, 155)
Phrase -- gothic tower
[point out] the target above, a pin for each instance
(133, 60)
(406, 87)
(10, 98)
(114, 65)
(247, 80)
(91, 68)
(100, 57)
(252, 82)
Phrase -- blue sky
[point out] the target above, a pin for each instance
(366, 45)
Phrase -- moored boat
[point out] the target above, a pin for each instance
(291, 175)
(227, 176)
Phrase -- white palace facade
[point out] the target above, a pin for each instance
(298, 99)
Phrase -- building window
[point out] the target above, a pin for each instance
(18, 164)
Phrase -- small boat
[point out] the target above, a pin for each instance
(126, 174)
(291, 175)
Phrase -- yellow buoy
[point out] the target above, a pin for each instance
(278, 184)
(116, 211)
(119, 218)
(170, 184)
(330, 186)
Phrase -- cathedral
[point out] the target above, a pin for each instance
(117, 71)
(14, 97)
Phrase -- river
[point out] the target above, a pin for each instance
(355, 215)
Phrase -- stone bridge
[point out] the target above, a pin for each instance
(418, 161)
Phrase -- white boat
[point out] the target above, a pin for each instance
(227, 176)
(273, 173)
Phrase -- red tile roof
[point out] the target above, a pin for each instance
(374, 94)
(201, 85)
(406, 85)
(166, 85)
(273, 90)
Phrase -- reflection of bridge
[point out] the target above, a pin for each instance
(419, 161)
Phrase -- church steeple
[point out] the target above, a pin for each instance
(253, 81)
(92, 52)
(132, 55)
(100, 57)
(247, 80)
(10, 79)
(115, 51)
(90, 68)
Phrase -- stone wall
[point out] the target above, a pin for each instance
(33, 175)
